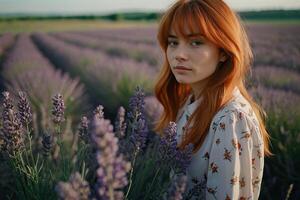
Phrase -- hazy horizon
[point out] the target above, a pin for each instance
(107, 6)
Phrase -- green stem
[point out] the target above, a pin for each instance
(148, 191)
(131, 173)
(111, 193)
(30, 144)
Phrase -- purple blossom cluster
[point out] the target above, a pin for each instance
(24, 108)
(138, 125)
(169, 153)
(120, 124)
(12, 134)
(58, 109)
(83, 129)
(112, 168)
(75, 189)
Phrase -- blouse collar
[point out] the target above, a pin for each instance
(191, 106)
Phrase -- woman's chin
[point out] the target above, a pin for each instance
(182, 81)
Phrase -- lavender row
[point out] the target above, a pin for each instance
(274, 77)
(132, 35)
(109, 80)
(277, 45)
(6, 40)
(140, 52)
(25, 69)
(277, 101)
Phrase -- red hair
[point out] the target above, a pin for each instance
(221, 26)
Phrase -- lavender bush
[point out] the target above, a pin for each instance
(26, 69)
(105, 162)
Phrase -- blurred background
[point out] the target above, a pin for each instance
(97, 51)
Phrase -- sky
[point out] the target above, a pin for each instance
(110, 6)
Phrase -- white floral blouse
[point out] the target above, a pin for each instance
(229, 164)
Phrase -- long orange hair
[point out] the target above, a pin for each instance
(221, 26)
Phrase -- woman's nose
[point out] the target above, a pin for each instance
(180, 57)
(180, 54)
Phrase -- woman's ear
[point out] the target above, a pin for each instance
(223, 56)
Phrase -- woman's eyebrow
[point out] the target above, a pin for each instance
(172, 36)
(195, 35)
(189, 35)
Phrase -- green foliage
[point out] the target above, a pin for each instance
(33, 173)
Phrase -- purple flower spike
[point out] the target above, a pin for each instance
(184, 158)
(112, 169)
(11, 134)
(99, 112)
(24, 109)
(83, 129)
(120, 124)
(7, 104)
(58, 109)
(137, 104)
(47, 143)
(168, 143)
(170, 153)
(138, 124)
(76, 189)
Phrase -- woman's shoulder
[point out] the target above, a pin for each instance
(238, 111)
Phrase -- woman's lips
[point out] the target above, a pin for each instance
(182, 68)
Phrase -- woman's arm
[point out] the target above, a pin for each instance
(235, 160)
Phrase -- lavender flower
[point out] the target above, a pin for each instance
(112, 170)
(183, 158)
(177, 189)
(47, 143)
(120, 124)
(24, 109)
(168, 144)
(58, 109)
(76, 189)
(99, 112)
(11, 133)
(137, 104)
(7, 105)
(138, 125)
(83, 129)
(169, 153)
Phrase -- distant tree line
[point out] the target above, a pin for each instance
(153, 16)
(271, 14)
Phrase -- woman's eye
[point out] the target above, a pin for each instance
(172, 43)
(196, 43)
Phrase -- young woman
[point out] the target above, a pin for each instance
(202, 87)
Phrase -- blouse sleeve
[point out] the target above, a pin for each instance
(235, 160)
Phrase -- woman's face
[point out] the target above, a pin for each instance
(192, 61)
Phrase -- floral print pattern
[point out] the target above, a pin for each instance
(230, 161)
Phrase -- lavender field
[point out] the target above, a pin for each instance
(104, 67)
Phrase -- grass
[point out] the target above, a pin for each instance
(29, 26)
(19, 26)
